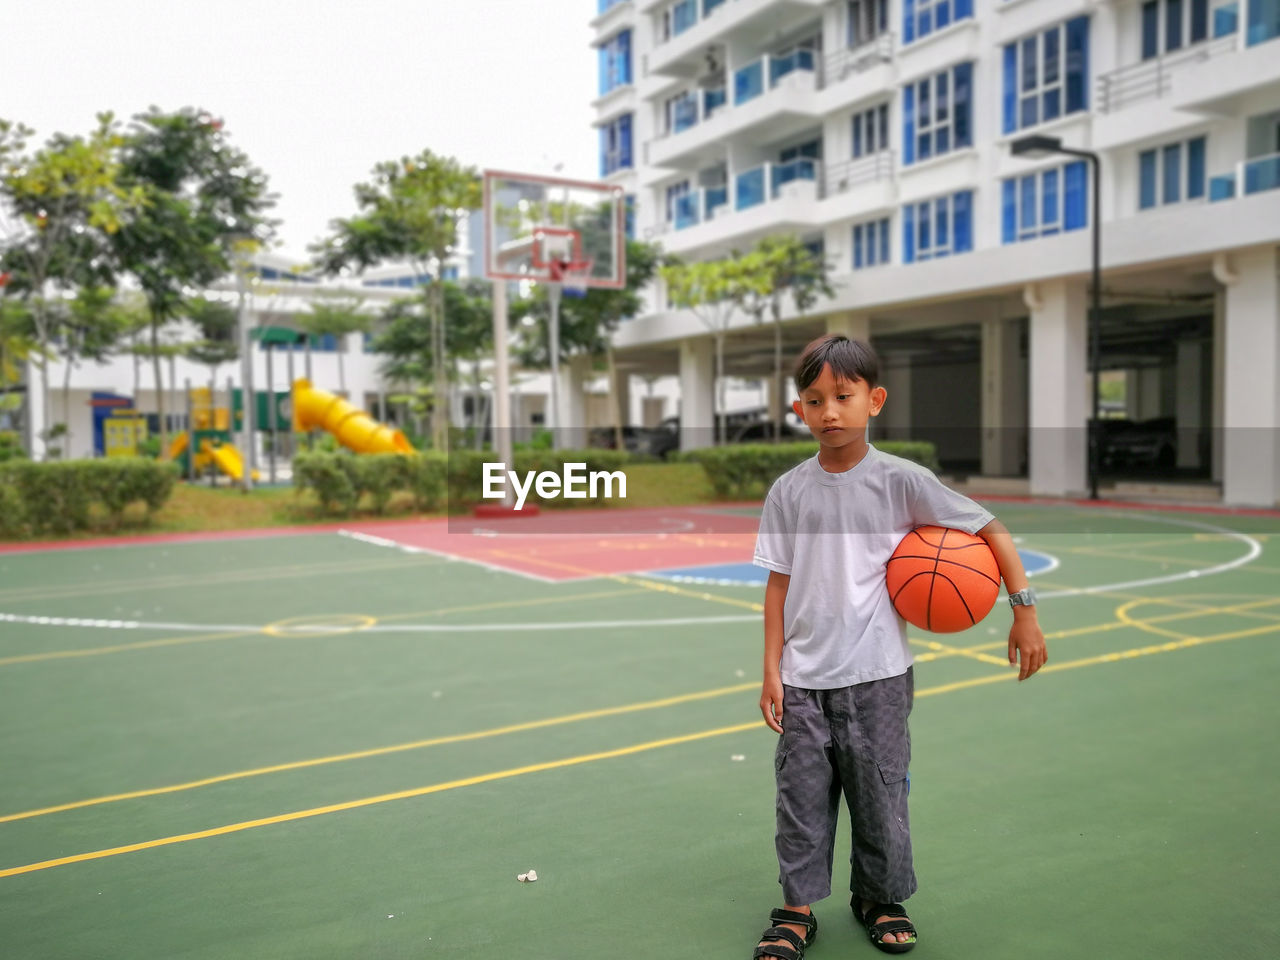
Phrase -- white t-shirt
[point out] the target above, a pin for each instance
(833, 533)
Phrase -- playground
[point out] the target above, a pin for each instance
(352, 741)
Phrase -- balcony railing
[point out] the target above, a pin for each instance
(699, 207)
(749, 81)
(839, 64)
(1256, 175)
(845, 175)
(750, 186)
(1152, 79)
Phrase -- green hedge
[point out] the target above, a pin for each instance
(341, 480)
(746, 470)
(60, 496)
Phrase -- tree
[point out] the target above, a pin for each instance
(203, 200)
(777, 266)
(218, 326)
(89, 326)
(58, 203)
(336, 318)
(410, 212)
(706, 288)
(407, 339)
(17, 343)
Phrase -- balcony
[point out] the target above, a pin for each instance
(767, 198)
(777, 93)
(1153, 79)
(1256, 176)
(682, 55)
(841, 65)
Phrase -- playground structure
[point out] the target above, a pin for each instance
(215, 449)
(352, 427)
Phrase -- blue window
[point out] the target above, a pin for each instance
(1043, 203)
(603, 5)
(709, 5)
(871, 131)
(681, 111)
(1169, 25)
(615, 62)
(615, 145)
(1264, 21)
(683, 16)
(1046, 75)
(864, 21)
(1171, 173)
(676, 206)
(871, 243)
(938, 227)
(748, 83)
(320, 343)
(937, 114)
(921, 17)
(750, 189)
(629, 215)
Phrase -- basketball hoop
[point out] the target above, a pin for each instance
(572, 275)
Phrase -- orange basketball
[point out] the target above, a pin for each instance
(942, 580)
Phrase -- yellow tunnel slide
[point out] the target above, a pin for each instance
(354, 428)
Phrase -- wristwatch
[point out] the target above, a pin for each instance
(1026, 597)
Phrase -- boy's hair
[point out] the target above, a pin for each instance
(850, 360)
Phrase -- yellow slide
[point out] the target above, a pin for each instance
(178, 445)
(354, 428)
(228, 459)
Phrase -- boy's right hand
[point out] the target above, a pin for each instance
(771, 703)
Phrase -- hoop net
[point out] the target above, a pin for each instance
(572, 275)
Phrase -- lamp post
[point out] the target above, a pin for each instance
(1037, 146)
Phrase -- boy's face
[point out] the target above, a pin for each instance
(837, 411)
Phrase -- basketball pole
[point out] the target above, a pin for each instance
(553, 346)
(502, 441)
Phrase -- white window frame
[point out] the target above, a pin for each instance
(930, 125)
(1184, 174)
(673, 192)
(874, 227)
(1042, 86)
(865, 9)
(936, 252)
(869, 120)
(931, 6)
(1162, 28)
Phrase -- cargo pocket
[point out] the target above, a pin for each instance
(893, 769)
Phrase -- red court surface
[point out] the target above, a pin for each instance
(579, 544)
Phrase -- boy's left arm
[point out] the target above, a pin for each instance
(1026, 641)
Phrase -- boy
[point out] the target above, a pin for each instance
(838, 680)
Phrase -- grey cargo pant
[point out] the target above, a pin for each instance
(855, 740)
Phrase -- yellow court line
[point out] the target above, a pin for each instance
(633, 581)
(592, 757)
(382, 798)
(971, 653)
(122, 647)
(383, 751)
(507, 604)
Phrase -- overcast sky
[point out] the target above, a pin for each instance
(316, 92)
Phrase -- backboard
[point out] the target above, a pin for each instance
(549, 229)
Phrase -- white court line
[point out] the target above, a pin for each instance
(336, 628)
(1254, 551)
(407, 548)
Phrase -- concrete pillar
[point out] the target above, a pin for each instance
(1004, 398)
(855, 326)
(573, 400)
(1059, 402)
(1251, 447)
(1189, 401)
(1219, 383)
(697, 376)
(623, 386)
(894, 422)
(37, 416)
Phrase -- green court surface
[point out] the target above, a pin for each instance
(310, 746)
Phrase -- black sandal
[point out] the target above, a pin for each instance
(776, 935)
(897, 923)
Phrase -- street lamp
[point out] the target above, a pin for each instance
(1037, 146)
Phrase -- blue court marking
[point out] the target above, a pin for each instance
(749, 575)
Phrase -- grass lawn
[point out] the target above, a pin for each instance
(197, 507)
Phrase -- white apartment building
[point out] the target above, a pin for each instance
(880, 131)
